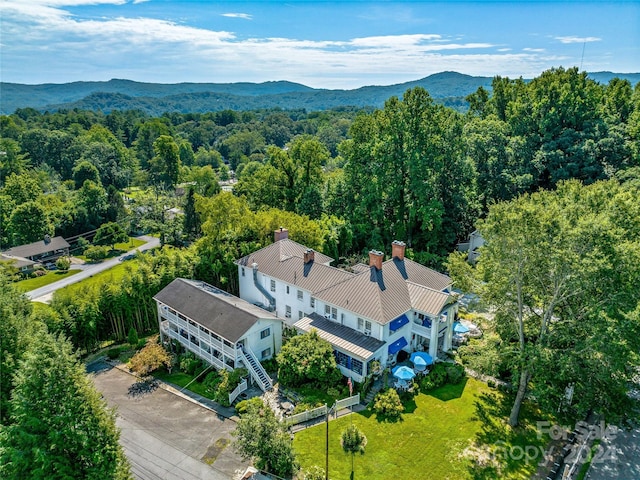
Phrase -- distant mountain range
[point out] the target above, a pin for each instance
(448, 88)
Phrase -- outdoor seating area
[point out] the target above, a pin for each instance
(463, 331)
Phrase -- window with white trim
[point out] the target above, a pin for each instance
(300, 295)
(312, 302)
(300, 314)
(287, 311)
(273, 285)
(266, 353)
(265, 333)
(287, 289)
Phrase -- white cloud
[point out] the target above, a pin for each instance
(244, 16)
(42, 41)
(535, 50)
(572, 39)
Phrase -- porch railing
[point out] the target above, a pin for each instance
(237, 391)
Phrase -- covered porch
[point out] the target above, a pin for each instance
(352, 349)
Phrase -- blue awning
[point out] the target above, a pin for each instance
(397, 345)
(401, 321)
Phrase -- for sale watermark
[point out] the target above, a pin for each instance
(579, 450)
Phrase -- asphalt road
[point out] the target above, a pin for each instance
(617, 458)
(167, 437)
(43, 294)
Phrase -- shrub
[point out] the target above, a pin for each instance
(270, 365)
(387, 404)
(133, 337)
(82, 245)
(38, 273)
(455, 373)
(438, 374)
(211, 381)
(63, 264)
(96, 253)
(113, 353)
(228, 382)
(188, 363)
(244, 405)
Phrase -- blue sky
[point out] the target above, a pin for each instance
(322, 44)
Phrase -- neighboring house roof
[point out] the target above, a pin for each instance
(219, 311)
(38, 248)
(384, 295)
(345, 338)
(17, 262)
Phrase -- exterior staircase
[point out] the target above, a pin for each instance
(256, 370)
(375, 388)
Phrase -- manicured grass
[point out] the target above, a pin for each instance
(113, 275)
(130, 245)
(432, 440)
(182, 380)
(33, 283)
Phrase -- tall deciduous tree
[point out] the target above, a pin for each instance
(259, 435)
(307, 358)
(60, 426)
(110, 234)
(165, 165)
(407, 175)
(561, 270)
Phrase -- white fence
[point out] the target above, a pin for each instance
(306, 415)
(238, 390)
(317, 412)
(347, 402)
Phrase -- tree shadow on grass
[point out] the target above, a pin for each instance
(449, 392)
(500, 450)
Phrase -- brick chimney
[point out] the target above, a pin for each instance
(397, 249)
(280, 234)
(375, 259)
(309, 255)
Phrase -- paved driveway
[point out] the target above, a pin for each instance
(44, 294)
(620, 457)
(166, 436)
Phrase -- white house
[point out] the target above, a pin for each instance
(381, 311)
(218, 327)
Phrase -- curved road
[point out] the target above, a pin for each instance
(43, 294)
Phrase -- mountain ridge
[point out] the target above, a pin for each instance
(447, 87)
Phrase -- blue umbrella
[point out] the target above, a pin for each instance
(403, 373)
(421, 359)
(460, 328)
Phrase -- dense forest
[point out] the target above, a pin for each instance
(548, 169)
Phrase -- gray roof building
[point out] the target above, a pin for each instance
(219, 311)
(48, 247)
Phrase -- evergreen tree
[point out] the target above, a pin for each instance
(61, 428)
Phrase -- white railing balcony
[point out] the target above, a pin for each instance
(420, 330)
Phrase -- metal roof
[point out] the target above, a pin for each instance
(426, 299)
(339, 336)
(384, 295)
(284, 260)
(219, 311)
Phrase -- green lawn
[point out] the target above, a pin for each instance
(182, 380)
(432, 440)
(37, 282)
(112, 275)
(130, 245)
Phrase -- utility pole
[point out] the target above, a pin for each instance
(326, 465)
